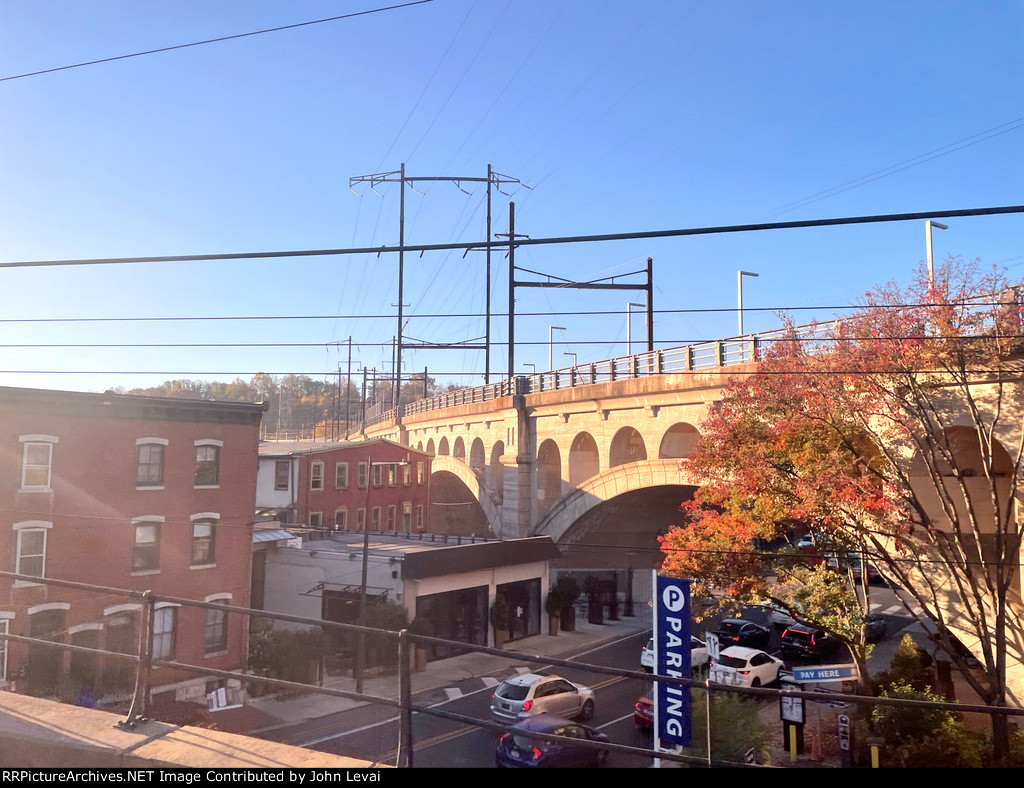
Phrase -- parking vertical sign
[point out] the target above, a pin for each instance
(672, 658)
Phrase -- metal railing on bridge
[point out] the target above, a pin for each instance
(666, 361)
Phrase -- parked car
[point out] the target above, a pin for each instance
(804, 542)
(780, 617)
(698, 654)
(737, 632)
(643, 711)
(745, 667)
(519, 749)
(874, 576)
(876, 627)
(801, 640)
(529, 694)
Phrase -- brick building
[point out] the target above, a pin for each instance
(345, 486)
(132, 493)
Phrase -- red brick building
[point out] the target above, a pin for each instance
(345, 486)
(132, 493)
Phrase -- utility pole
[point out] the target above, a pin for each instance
(348, 388)
(494, 179)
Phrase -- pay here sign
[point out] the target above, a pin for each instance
(672, 658)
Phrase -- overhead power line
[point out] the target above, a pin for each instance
(521, 241)
(215, 40)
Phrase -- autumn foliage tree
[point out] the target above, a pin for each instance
(896, 431)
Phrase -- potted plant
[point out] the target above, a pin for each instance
(500, 615)
(554, 607)
(420, 626)
(569, 591)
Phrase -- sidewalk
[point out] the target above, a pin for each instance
(274, 711)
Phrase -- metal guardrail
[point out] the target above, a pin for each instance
(683, 358)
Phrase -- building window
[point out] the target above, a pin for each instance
(407, 474)
(363, 474)
(341, 476)
(36, 459)
(392, 474)
(361, 519)
(282, 473)
(378, 475)
(316, 519)
(419, 473)
(31, 557)
(207, 464)
(419, 518)
(3, 651)
(204, 531)
(149, 472)
(407, 516)
(375, 521)
(392, 517)
(216, 638)
(316, 476)
(146, 546)
(164, 619)
(341, 518)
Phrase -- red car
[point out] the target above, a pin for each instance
(643, 712)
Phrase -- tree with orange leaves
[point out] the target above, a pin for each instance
(897, 432)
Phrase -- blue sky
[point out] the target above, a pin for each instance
(621, 116)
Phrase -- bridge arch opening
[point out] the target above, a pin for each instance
(627, 446)
(584, 459)
(496, 478)
(476, 455)
(549, 476)
(442, 446)
(459, 449)
(454, 509)
(678, 441)
(419, 446)
(430, 446)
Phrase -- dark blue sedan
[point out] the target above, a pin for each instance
(520, 749)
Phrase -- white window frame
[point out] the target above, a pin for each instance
(149, 519)
(338, 466)
(420, 467)
(316, 475)
(208, 443)
(159, 611)
(5, 621)
(342, 510)
(21, 528)
(287, 466)
(319, 516)
(27, 442)
(214, 517)
(139, 443)
(224, 599)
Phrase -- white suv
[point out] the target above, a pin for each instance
(698, 654)
(529, 694)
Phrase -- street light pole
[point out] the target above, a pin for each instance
(533, 368)
(573, 357)
(928, 225)
(551, 345)
(629, 326)
(739, 294)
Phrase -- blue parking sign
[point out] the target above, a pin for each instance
(672, 658)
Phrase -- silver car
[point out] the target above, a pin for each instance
(529, 694)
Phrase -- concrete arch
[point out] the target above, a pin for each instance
(477, 460)
(442, 446)
(472, 481)
(584, 459)
(678, 441)
(419, 446)
(549, 476)
(459, 449)
(606, 485)
(430, 446)
(627, 446)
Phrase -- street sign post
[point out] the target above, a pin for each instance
(824, 674)
(672, 658)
